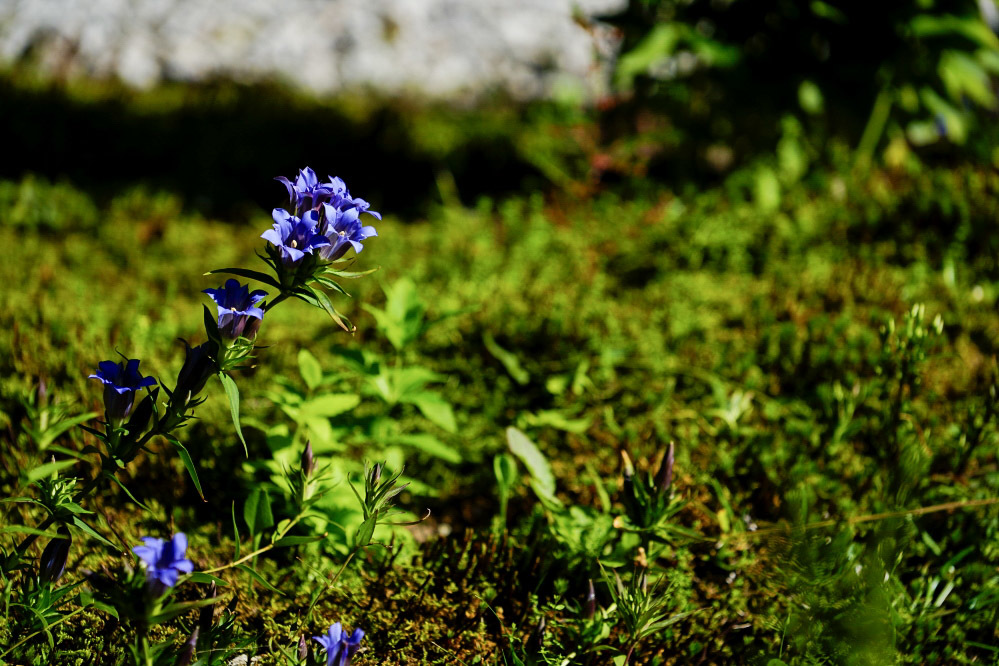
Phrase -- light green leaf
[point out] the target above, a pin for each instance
(436, 409)
(192, 471)
(542, 478)
(508, 359)
(431, 445)
(309, 366)
(329, 405)
(233, 393)
(257, 512)
(48, 469)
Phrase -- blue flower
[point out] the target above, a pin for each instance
(239, 316)
(344, 230)
(164, 561)
(339, 198)
(339, 647)
(121, 381)
(294, 236)
(305, 191)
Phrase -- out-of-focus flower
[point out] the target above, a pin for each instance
(189, 652)
(239, 316)
(308, 460)
(339, 646)
(295, 237)
(121, 381)
(164, 560)
(343, 229)
(53, 563)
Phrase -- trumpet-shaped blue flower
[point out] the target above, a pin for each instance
(121, 381)
(164, 561)
(239, 316)
(339, 646)
(344, 231)
(307, 193)
(337, 195)
(295, 237)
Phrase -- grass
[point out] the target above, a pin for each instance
(815, 412)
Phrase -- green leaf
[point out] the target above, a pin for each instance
(505, 468)
(48, 469)
(31, 531)
(192, 471)
(235, 529)
(320, 300)
(329, 405)
(91, 531)
(257, 512)
(330, 284)
(508, 359)
(173, 610)
(431, 445)
(202, 577)
(542, 478)
(436, 409)
(308, 366)
(59, 427)
(252, 275)
(233, 393)
(260, 579)
(366, 530)
(127, 491)
(297, 540)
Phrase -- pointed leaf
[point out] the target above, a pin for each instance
(192, 471)
(233, 393)
(308, 366)
(249, 274)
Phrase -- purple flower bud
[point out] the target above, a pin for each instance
(308, 462)
(376, 473)
(664, 479)
(187, 655)
(590, 607)
(52, 565)
(207, 614)
(303, 649)
(198, 367)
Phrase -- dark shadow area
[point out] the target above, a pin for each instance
(218, 145)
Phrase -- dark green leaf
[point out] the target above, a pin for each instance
(233, 393)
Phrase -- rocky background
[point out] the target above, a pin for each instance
(433, 48)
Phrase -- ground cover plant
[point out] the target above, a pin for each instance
(746, 415)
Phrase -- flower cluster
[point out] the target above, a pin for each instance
(326, 218)
(339, 646)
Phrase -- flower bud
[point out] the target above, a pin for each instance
(142, 414)
(303, 649)
(207, 614)
(52, 565)
(188, 654)
(308, 462)
(590, 607)
(376, 473)
(198, 367)
(664, 479)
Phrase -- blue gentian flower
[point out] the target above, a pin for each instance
(340, 647)
(344, 231)
(121, 381)
(305, 193)
(239, 316)
(164, 561)
(294, 236)
(339, 198)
